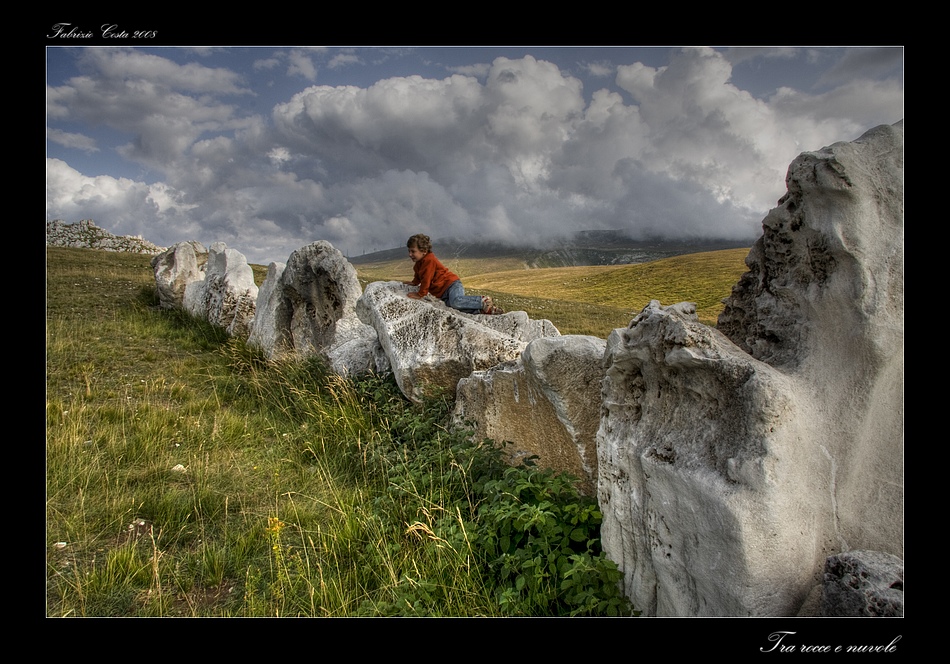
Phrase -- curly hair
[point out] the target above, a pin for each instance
(420, 242)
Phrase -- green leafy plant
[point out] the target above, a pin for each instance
(543, 540)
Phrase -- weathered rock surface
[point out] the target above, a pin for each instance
(733, 462)
(270, 329)
(863, 584)
(308, 307)
(227, 296)
(175, 268)
(86, 235)
(546, 403)
(693, 505)
(430, 345)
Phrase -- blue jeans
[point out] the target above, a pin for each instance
(456, 298)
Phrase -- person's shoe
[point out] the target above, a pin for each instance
(489, 308)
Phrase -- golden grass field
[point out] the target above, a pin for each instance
(594, 299)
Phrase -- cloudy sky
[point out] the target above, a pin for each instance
(268, 149)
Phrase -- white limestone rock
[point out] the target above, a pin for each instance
(824, 301)
(430, 345)
(546, 403)
(733, 462)
(227, 296)
(307, 307)
(693, 502)
(175, 268)
(87, 235)
(270, 329)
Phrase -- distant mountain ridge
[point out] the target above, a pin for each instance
(600, 247)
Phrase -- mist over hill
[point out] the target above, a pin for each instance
(602, 247)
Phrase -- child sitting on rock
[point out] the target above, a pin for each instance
(431, 276)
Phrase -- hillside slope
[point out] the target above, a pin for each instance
(590, 299)
(583, 248)
(704, 278)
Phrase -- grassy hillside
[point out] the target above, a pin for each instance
(591, 300)
(185, 476)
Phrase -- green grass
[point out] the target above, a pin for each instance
(704, 278)
(188, 477)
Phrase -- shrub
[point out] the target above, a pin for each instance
(533, 539)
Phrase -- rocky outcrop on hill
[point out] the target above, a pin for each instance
(545, 404)
(733, 462)
(87, 235)
(308, 307)
(430, 345)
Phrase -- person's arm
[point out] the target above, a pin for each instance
(415, 278)
(423, 278)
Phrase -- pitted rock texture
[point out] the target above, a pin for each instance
(308, 307)
(545, 404)
(227, 295)
(733, 462)
(431, 346)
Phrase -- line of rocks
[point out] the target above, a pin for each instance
(734, 466)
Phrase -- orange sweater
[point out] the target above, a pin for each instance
(431, 276)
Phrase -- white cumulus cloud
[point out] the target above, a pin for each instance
(516, 149)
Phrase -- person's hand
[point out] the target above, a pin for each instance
(414, 296)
